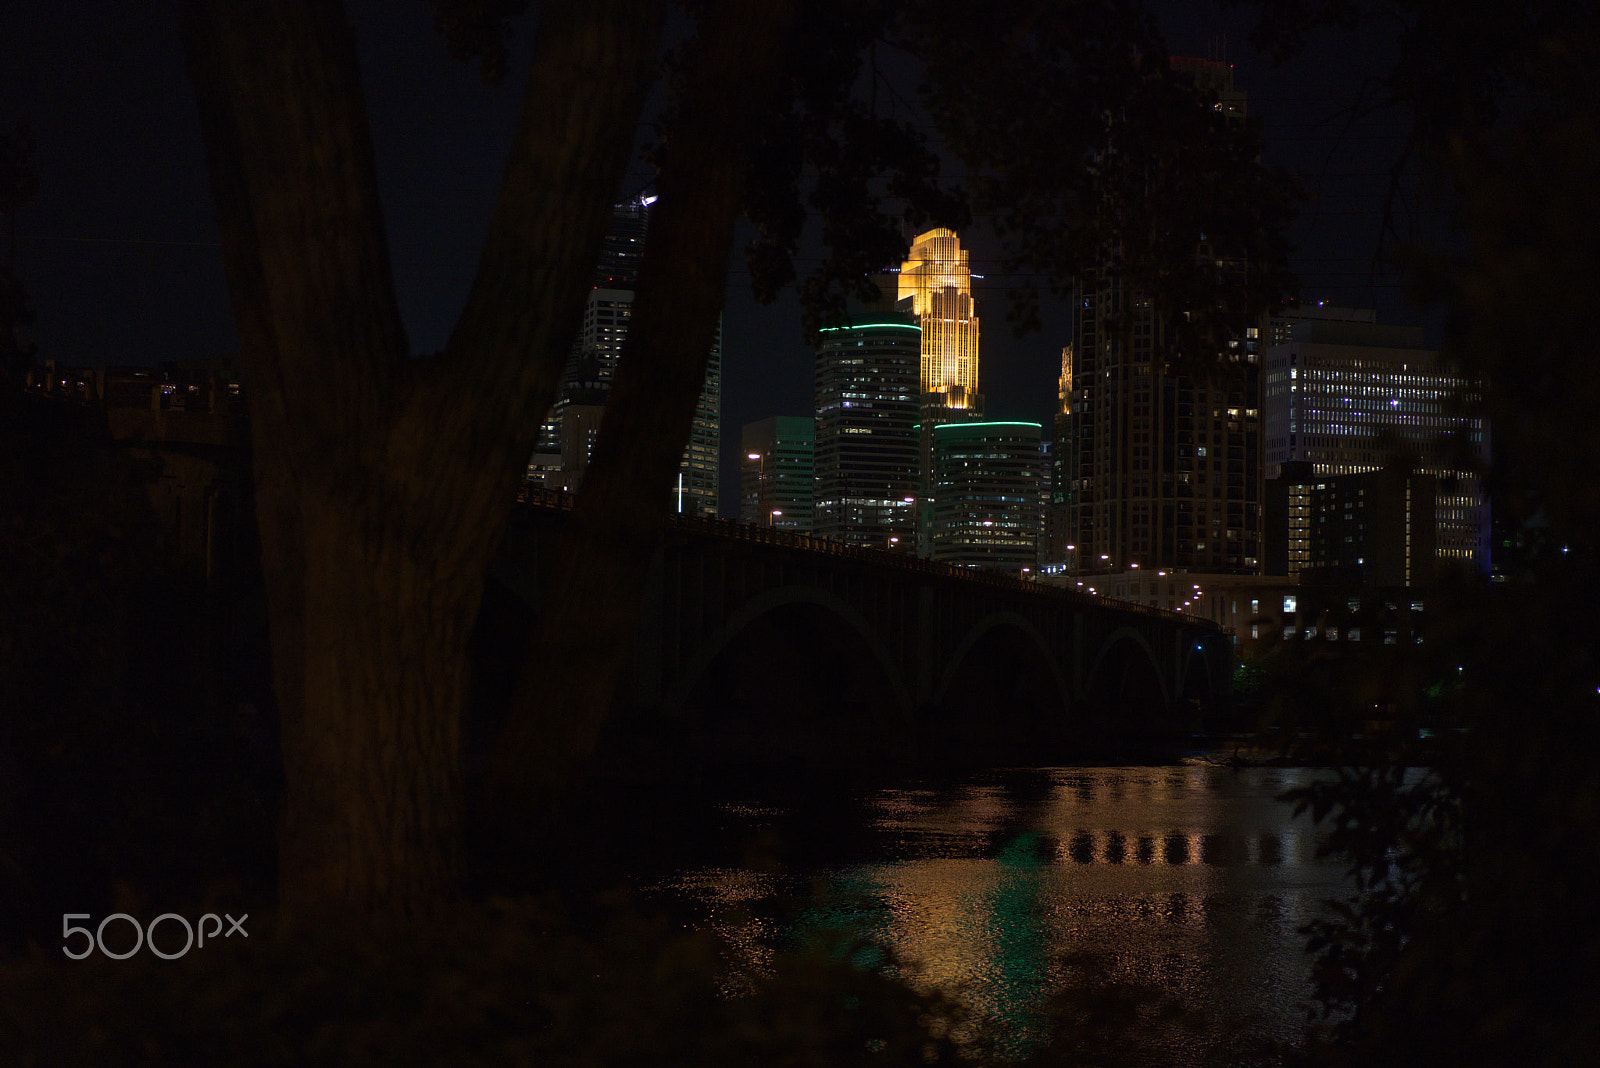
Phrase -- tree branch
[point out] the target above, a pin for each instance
(290, 154)
(588, 619)
(592, 66)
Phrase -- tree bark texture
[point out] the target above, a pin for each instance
(587, 628)
(383, 481)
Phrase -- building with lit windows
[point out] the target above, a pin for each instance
(699, 475)
(935, 286)
(1162, 468)
(986, 500)
(1215, 77)
(867, 386)
(562, 455)
(1347, 396)
(777, 473)
(1057, 551)
(1378, 525)
(576, 419)
(937, 282)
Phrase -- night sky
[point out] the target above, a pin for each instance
(119, 250)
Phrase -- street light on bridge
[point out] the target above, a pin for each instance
(760, 459)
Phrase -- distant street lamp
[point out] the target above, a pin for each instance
(761, 479)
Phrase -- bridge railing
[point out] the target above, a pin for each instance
(734, 530)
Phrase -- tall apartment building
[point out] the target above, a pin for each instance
(562, 455)
(576, 420)
(1057, 551)
(867, 387)
(1347, 396)
(777, 475)
(1379, 524)
(699, 477)
(986, 504)
(1163, 467)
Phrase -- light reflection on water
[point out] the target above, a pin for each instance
(1190, 879)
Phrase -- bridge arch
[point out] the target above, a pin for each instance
(1197, 682)
(1048, 658)
(1126, 682)
(773, 603)
(999, 693)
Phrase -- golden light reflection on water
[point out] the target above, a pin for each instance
(1189, 879)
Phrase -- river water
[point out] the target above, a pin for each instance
(1004, 885)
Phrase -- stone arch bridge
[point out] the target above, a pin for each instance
(759, 642)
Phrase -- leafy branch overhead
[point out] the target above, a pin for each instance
(1082, 144)
(870, 175)
(479, 30)
(1087, 147)
(1080, 141)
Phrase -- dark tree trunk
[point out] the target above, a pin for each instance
(383, 482)
(587, 629)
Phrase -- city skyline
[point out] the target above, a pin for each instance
(763, 347)
(118, 248)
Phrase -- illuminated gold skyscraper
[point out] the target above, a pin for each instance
(938, 283)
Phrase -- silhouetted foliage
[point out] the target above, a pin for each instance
(1087, 148)
(832, 159)
(1471, 937)
(510, 981)
(479, 30)
(117, 767)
